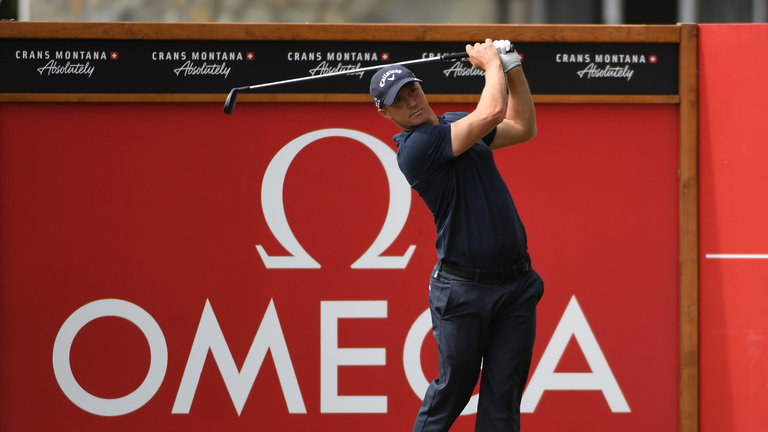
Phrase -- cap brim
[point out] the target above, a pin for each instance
(392, 93)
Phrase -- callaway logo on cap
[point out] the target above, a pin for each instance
(389, 75)
(387, 81)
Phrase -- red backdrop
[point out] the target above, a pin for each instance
(734, 234)
(159, 205)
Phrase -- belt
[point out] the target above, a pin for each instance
(501, 275)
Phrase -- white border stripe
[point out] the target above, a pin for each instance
(737, 256)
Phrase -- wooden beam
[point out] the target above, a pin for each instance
(341, 32)
(317, 97)
(689, 231)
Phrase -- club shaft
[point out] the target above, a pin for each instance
(444, 57)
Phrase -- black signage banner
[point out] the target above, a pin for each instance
(199, 67)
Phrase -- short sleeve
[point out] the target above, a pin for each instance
(488, 139)
(424, 150)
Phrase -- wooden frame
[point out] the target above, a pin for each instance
(689, 230)
(327, 32)
(685, 35)
(334, 32)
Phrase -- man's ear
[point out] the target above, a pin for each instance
(384, 113)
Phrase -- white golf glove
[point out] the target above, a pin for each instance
(510, 59)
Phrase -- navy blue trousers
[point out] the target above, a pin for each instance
(474, 322)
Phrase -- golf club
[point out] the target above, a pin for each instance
(229, 104)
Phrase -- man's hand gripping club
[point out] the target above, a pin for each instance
(505, 102)
(510, 59)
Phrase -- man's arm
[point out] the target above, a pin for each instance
(519, 124)
(493, 100)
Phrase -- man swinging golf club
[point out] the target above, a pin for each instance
(483, 291)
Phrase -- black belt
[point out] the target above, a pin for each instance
(501, 275)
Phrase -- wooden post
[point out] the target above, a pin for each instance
(689, 231)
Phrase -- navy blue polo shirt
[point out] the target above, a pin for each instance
(475, 217)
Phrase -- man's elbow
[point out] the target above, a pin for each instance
(529, 132)
(534, 131)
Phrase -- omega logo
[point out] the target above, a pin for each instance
(274, 209)
(269, 337)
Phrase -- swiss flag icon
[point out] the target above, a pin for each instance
(113, 55)
(250, 56)
(653, 58)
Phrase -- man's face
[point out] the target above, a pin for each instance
(410, 108)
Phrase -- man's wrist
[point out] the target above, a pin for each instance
(510, 60)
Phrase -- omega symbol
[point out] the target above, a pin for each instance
(274, 209)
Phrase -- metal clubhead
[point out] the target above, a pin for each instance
(229, 104)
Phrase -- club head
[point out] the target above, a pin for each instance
(229, 104)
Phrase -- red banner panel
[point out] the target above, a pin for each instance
(734, 233)
(166, 266)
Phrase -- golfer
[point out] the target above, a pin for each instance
(483, 291)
